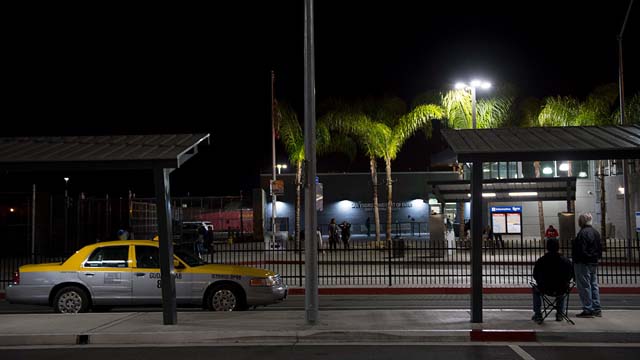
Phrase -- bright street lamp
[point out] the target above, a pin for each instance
(475, 83)
(280, 167)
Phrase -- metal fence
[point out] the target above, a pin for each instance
(407, 263)
(421, 263)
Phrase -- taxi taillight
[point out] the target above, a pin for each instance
(16, 278)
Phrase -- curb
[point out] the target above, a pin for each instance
(319, 336)
(444, 291)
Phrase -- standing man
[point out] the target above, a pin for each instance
(367, 223)
(587, 249)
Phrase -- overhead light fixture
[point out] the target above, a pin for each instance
(564, 167)
(484, 195)
(524, 193)
(582, 174)
(486, 170)
(12, 210)
(547, 171)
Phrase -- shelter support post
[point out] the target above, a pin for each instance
(476, 242)
(167, 280)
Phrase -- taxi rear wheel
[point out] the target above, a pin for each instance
(71, 299)
(225, 298)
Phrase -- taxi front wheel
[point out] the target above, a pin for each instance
(71, 299)
(225, 298)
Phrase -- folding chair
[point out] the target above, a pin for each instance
(552, 299)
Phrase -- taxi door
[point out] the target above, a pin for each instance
(107, 273)
(146, 278)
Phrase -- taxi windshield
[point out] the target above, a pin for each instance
(186, 255)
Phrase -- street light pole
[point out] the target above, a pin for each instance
(473, 106)
(273, 157)
(625, 163)
(472, 87)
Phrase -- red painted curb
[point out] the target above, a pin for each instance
(503, 335)
(443, 291)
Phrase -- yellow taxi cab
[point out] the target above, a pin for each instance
(127, 272)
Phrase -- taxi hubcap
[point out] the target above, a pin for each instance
(70, 302)
(224, 300)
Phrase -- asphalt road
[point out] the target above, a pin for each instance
(334, 351)
(347, 302)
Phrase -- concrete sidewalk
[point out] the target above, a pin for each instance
(353, 326)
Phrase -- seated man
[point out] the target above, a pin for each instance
(553, 273)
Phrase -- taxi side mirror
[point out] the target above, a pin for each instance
(177, 264)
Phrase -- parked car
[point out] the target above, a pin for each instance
(127, 272)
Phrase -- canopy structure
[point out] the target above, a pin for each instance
(73, 153)
(536, 189)
(545, 143)
(160, 153)
(476, 146)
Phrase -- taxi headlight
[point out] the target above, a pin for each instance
(268, 281)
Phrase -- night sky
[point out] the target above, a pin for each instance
(206, 68)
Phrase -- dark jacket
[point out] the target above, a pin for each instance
(587, 248)
(553, 272)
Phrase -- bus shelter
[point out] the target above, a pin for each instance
(476, 146)
(159, 153)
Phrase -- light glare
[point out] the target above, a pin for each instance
(524, 193)
(460, 85)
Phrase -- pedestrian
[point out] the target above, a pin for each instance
(586, 251)
(209, 239)
(498, 238)
(123, 234)
(367, 223)
(199, 244)
(346, 234)
(319, 240)
(551, 233)
(333, 234)
(552, 273)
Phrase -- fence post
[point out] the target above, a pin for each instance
(300, 264)
(390, 246)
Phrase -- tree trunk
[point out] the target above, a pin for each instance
(298, 196)
(603, 203)
(536, 167)
(389, 199)
(374, 182)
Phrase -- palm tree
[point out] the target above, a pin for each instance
(381, 128)
(632, 110)
(490, 113)
(293, 140)
(597, 109)
(557, 111)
